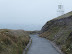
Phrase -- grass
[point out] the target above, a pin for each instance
(13, 41)
(58, 30)
(64, 16)
(33, 32)
(60, 37)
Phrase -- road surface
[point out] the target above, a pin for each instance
(41, 46)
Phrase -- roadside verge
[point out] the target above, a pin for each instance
(27, 47)
(56, 47)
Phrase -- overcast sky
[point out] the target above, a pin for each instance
(31, 11)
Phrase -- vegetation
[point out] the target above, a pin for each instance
(33, 32)
(64, 16)
(59, 30)
(13, 41)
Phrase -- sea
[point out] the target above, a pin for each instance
(26, 27)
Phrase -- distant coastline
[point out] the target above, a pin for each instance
(30, 27)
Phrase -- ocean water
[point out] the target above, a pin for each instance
(27, 27)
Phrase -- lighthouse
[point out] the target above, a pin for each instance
(60, 10)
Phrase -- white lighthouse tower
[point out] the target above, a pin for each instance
(60, 10)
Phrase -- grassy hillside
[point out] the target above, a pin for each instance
(64, 16)
(59, 30)
(13, 41)
(33, 32)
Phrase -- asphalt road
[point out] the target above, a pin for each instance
(41, 46)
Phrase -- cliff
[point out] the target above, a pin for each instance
(59, 30)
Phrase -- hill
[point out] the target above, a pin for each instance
(13, 41)
(59, 30)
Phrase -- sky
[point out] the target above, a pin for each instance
(34, 12)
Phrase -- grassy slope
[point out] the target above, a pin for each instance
(59, 30)
(13, 41)
(33, 32)
(64, 16)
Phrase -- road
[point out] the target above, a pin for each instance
(41, 46)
